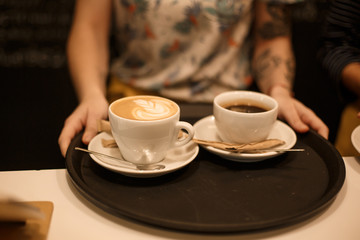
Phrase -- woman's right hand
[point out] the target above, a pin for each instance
(85, 117)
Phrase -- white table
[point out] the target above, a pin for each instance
(76, 218)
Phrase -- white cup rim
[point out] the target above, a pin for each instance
(248, 93)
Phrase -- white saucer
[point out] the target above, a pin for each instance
(205, 129)
(175, 159)
(355, 138)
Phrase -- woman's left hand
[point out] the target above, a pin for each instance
(297, 115)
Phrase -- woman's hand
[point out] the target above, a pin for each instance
(84, 117)
(297, 115)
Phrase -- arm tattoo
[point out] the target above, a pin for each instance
(279, 25)
(290, 70)
(266, 63)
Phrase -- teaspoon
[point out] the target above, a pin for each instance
(143, 167)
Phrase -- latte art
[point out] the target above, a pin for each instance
(144, 108)
(151, 109)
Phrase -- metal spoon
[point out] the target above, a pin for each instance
(144, 167)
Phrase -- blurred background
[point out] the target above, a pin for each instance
(36, 90)
(37, 95)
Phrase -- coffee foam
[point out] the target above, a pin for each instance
(144, 108)
(151, 109)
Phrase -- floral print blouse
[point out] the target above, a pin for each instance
(188, 50)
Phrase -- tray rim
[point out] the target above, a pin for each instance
(320, 205)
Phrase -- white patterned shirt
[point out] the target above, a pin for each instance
(188, 50)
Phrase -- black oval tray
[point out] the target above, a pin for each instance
(216, 195)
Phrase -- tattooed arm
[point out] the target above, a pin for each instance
(273, 60)
(274, 66)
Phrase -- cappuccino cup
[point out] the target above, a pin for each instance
(146, 127)
(244, 116)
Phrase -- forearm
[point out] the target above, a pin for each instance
(87, 52)
(87, 67)
(273, 61)
(351, 77)
(340, 51)
(274, 66)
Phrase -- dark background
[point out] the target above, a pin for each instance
(312, 86)
(36, 92)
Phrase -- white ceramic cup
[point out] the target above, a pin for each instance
(243, 127)
(147, 141)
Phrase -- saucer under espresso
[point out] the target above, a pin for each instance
(205, 129)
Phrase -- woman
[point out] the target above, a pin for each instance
(186, 50)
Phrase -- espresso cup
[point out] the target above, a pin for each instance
(244, 116)
(146, 127)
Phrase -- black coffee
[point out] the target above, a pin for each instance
(246, 107)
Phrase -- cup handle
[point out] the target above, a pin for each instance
(186, 138)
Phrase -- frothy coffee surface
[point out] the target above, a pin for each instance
(144, 108)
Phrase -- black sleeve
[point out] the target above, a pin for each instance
(341, 41)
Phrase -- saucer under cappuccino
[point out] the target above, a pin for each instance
(144, 108)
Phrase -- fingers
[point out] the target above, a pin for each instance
(99, 111)
(90, 130)
(85, 115)
(301, 118)
(323, 132)
(293, 118)
(313, 121)
(64, 144)
(71, 128)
